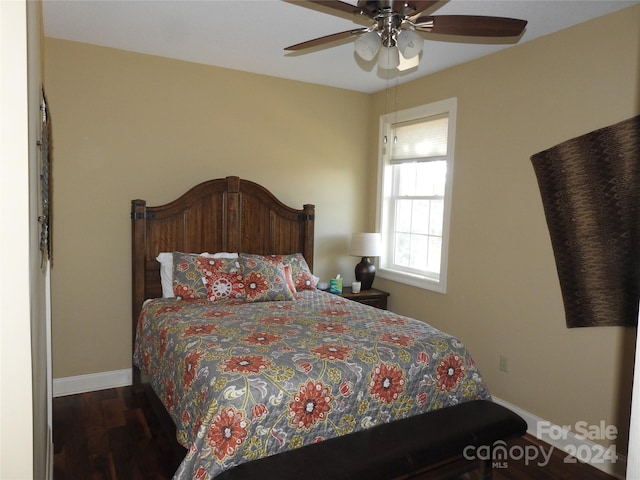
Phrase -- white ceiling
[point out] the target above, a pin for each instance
(250, 35)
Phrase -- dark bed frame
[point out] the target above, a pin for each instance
(236, 215)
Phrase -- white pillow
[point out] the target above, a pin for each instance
(166, 268)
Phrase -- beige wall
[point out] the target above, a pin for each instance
(503, 295)
(131, 126)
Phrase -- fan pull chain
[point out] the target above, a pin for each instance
(395, 110)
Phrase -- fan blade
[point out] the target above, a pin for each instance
(337, 5)
(372, 7)
(326, 39)
(417, 6)
(471, 25)
(404, 8)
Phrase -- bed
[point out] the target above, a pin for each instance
(252, 363)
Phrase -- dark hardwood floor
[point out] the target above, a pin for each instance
(114, 435)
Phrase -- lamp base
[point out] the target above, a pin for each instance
(365, 273)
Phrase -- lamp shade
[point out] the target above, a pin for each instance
(367, 45)
(388, 58)
(365, 245)
(409, 43)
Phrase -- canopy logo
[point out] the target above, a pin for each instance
(499, 454)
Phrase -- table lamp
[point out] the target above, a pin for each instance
(365, 245)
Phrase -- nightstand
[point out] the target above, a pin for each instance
(373, 297)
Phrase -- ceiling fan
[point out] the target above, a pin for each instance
(394, 34)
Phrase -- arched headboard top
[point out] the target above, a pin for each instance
(222, 215)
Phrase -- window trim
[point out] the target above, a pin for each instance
(449, 107)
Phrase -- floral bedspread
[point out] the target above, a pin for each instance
(246, 380)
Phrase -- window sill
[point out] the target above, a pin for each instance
(413, 280)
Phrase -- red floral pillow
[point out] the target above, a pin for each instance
(227, 282)
(302, 276)
(264, 278)
(198, 277)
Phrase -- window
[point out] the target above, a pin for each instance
(416, 166)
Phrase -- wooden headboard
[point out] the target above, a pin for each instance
(223, 215)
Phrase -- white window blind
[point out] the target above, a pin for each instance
(420, 140)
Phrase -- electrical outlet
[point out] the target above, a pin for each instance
(504, 364)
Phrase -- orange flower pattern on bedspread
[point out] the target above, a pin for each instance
(245, 380)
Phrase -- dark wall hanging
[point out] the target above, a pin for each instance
(590, 188)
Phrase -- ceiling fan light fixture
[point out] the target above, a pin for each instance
(388, 58)
(410, 43)
(394, 34)
(367, 45)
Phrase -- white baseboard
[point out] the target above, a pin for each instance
(92, 382)
(571, 443)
